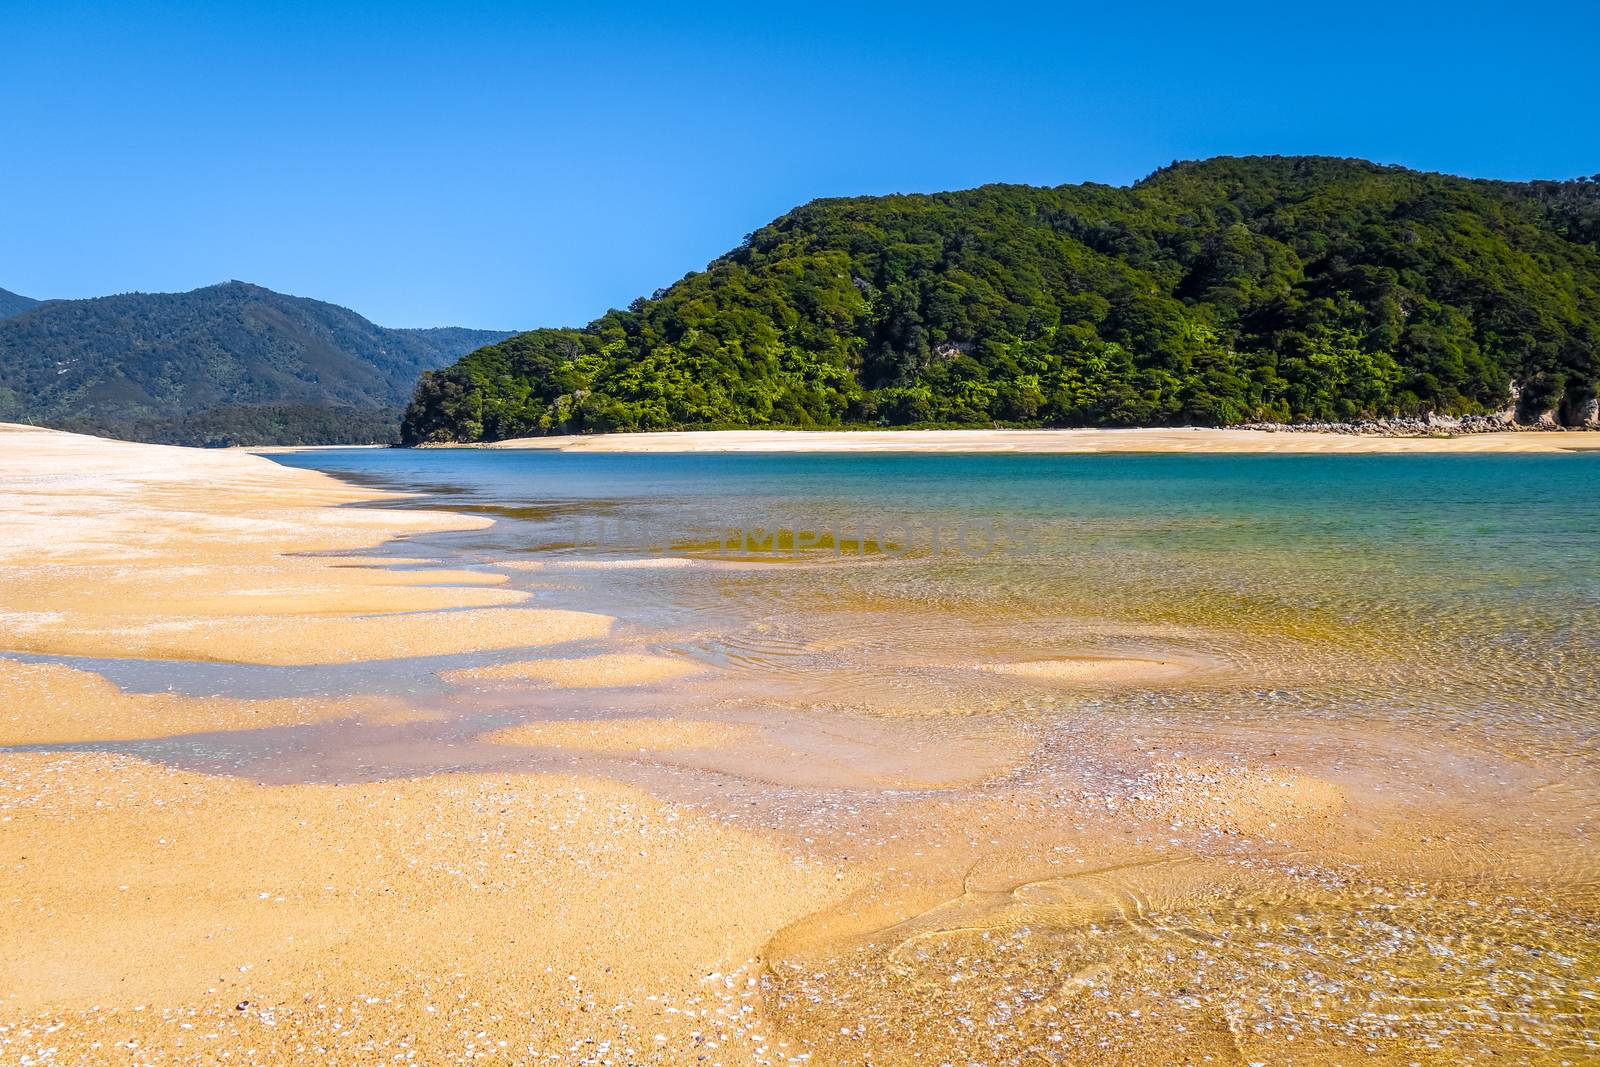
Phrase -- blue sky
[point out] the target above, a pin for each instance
(511, 166)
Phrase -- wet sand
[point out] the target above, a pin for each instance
(809, 848)
(587, 672)
(49, 703)
(622, 735)
(1203, 440)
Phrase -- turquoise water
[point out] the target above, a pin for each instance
(1551, 491)
(1507, 544)
(1538, 514)
(1431, 592)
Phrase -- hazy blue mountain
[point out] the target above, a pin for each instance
(14, 303)
(227, 364)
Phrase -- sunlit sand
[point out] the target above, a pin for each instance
(1046, 441)
(588, 672)
(165, 906)
(622, 735)
(841, 815)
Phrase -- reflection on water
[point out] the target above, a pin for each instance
(1360, 827)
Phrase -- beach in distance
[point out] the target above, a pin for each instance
(1196, 439)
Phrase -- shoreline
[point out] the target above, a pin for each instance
(121, 550)
(1160, 441)
(901, 807)
(179, 909)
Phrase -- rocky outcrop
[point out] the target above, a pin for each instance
(1578, 411)
(1567, 412)
(1562, 406)
(1431, 425)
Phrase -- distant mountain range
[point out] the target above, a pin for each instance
(228, 364)
(14, 303)
(1285, 289)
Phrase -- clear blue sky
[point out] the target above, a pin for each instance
(503, 165)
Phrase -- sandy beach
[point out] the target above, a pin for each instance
(770, 536)
(1055, 441)
(161, 915)
(519, 833)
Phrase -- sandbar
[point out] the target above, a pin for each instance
(585, 672)
(623, 735)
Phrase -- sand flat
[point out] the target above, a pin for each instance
(300, 640)
(290, 588)
(1200, 440)
(623, 735)
(165, 906)
(585, 672)
(113, 549)
(178, 915)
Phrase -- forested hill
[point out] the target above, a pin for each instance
(1215, 292)
(227, 364)
(14, 303)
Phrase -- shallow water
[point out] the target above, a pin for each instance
(1355, 820)
(1455, 591)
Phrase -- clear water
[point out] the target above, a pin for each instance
(1363, 827)
(1461, 589)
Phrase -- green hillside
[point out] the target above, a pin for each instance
(1217, 292)
(227, 364)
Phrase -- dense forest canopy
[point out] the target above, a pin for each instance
(1217, 292)
(227, 364)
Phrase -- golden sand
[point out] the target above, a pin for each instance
(435, 576)
(1153, 958)
(111, 549)
(587, 672)
(195, 915)
(286, 587)
(160, 914)
(650, 563)
(1269, 802)
(623, 735)
(1063, 441)
(288, 640)
(845, 887)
